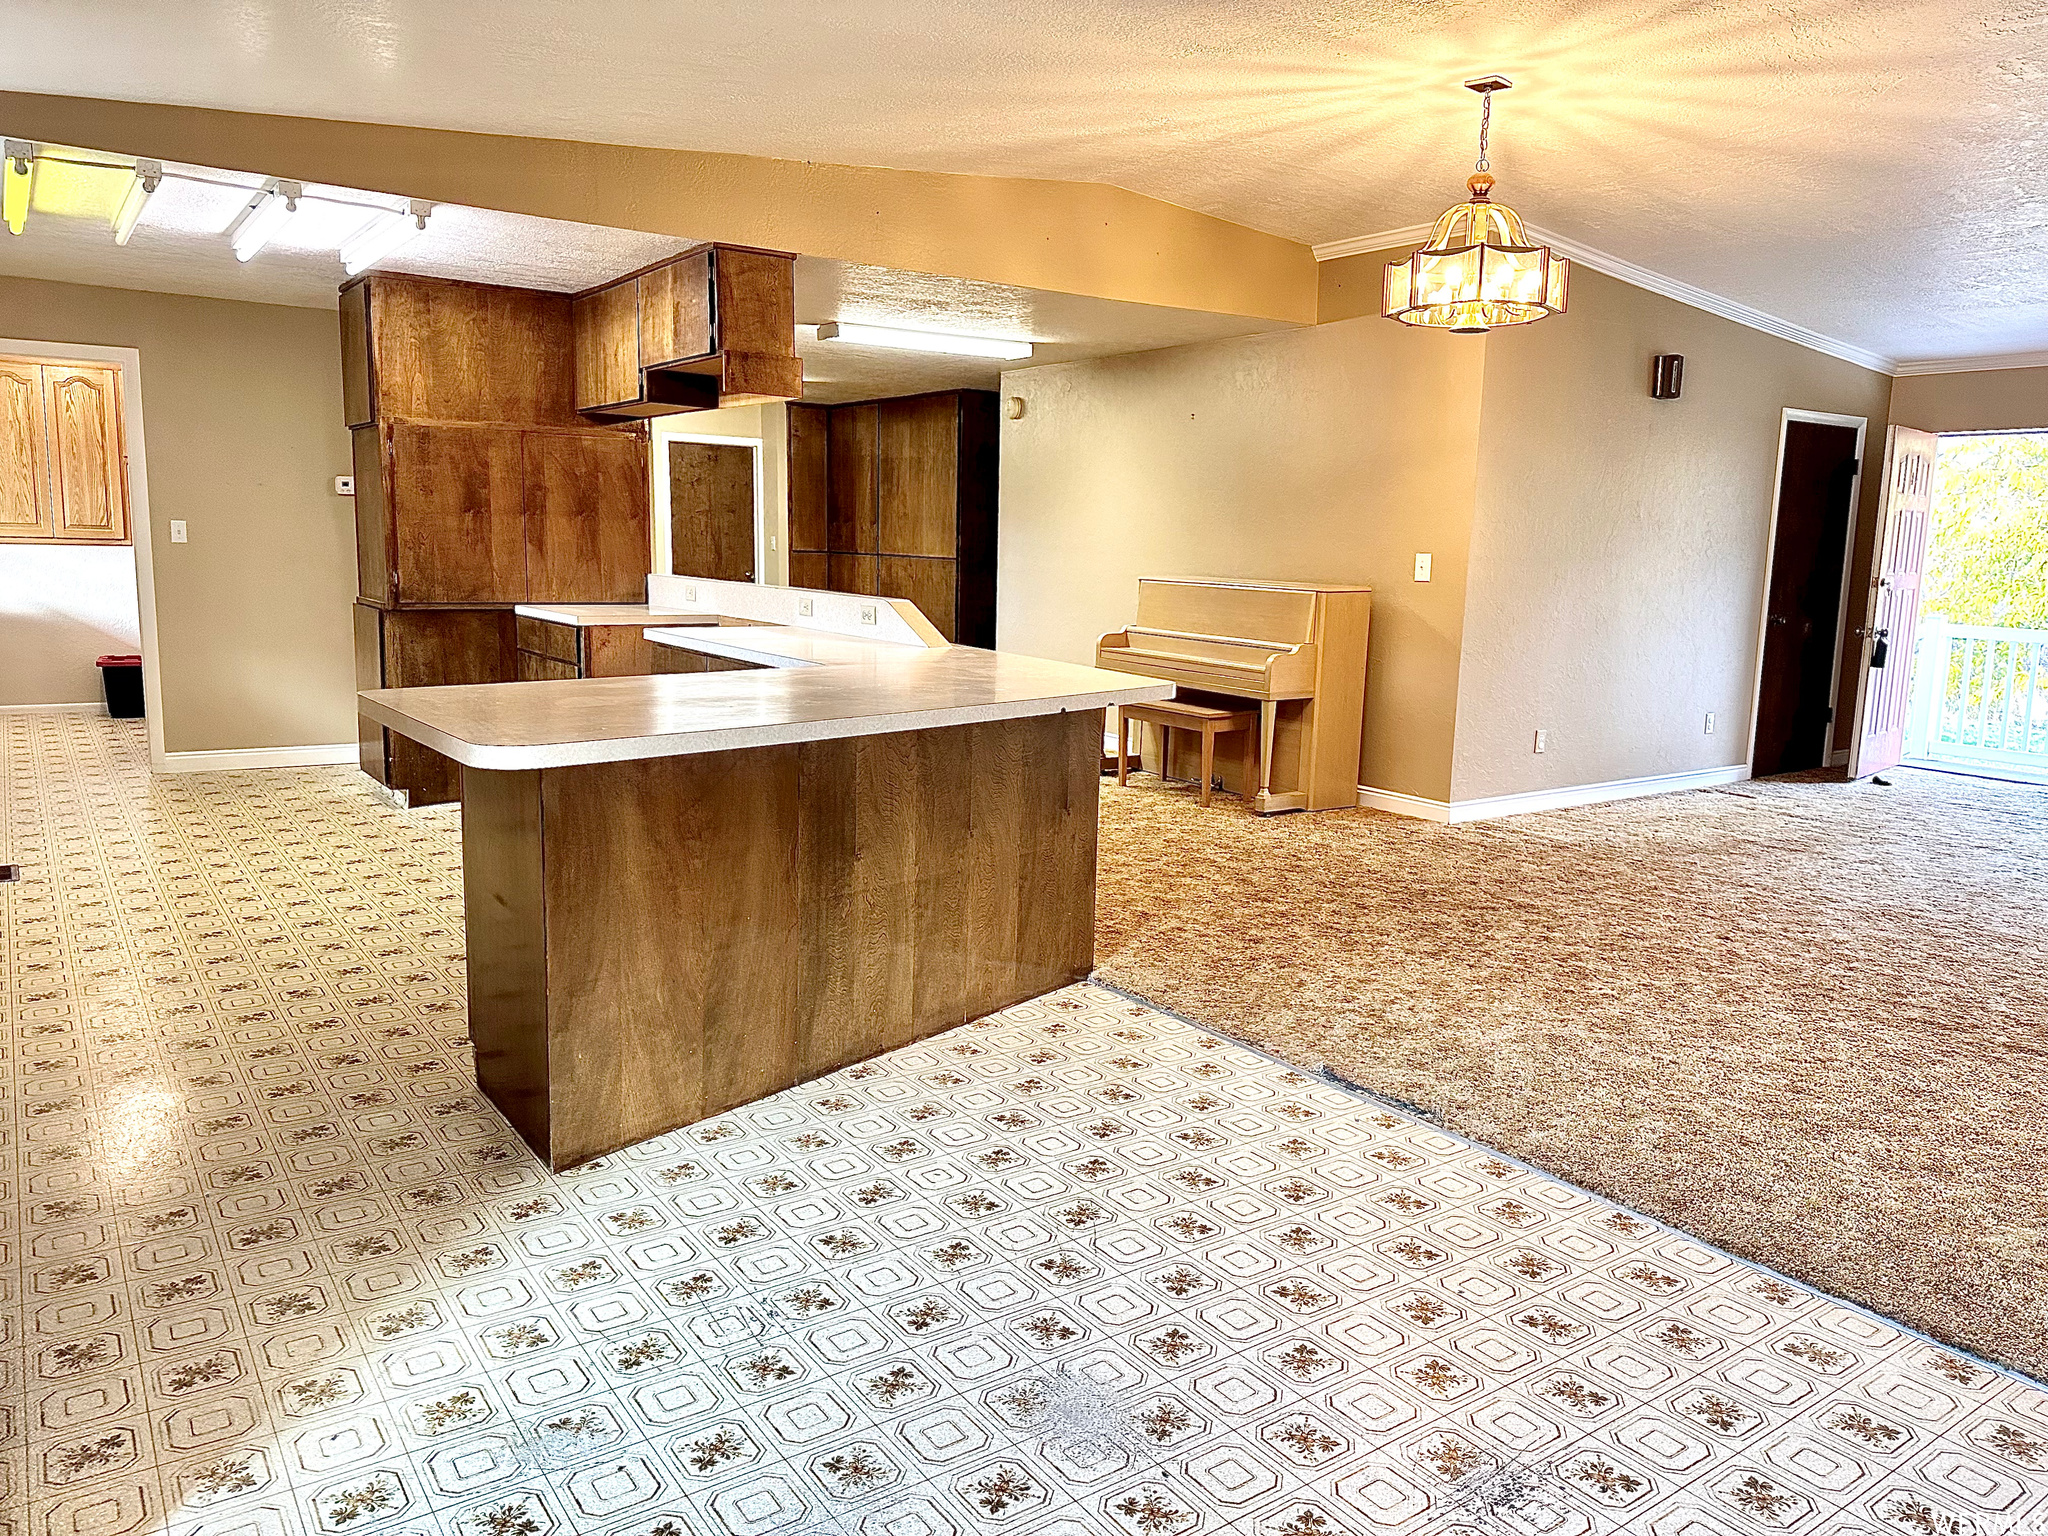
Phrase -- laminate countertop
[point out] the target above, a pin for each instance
(597, 615)
(821, 687)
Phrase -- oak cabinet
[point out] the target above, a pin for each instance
(457, 523)
(850, 480)
(549, 651)
(431, 349)
(808, 431)
(63, 465)
(418, 648)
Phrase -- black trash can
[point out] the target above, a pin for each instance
(121, 676)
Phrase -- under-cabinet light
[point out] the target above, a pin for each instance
(256, 224)
(149, 174)
(923, 341)
(385, 233)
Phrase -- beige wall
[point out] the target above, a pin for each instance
(1989, 400)
(1619, 542)
(242, 426)
(1066, 236)
(1334, 454)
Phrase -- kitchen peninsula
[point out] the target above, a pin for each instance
(687, 891)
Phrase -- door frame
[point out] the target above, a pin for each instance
(1763, 620)
(664, 532)
(129, 361)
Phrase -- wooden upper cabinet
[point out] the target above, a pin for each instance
(63, 467)
(809, 426)
(449, 351)
(675, 311)
(850, 481)
(607, 326)
(87, 470)
(588, 519)
(714, 326)
(457, 513)
(25, 506)
(919, 465)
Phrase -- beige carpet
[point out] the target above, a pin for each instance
(1806, 1021)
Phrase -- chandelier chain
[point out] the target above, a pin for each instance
(1485, 122)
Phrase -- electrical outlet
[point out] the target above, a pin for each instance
(1542, 741)
(1710, 722)
(344, 485)
(689, 594)
(1422, 567)
(867, 613)
(771, 543)
(803, 607)
(177, 530)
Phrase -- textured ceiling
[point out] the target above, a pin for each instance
(180, 245)
(1866, 169)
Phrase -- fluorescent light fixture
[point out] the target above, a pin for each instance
(385, 233)
(256, 224)
(20, 175)
(149, 174)
(922, 341)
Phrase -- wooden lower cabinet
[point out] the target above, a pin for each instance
(419, 648)
(656, 941)
(808, 568)
(549, 651)
(931, 584)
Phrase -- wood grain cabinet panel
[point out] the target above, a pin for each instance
(852, 573)
(919, 464)
(607, 325)
(358, 402)
(809, 468)
(458, 513)
(931, 584)
(809, 568)
(424, 648)
(88, 472)
(452, 351)
(850, 481)
(535, 668)
(587, 517)
(374, 570)
(25, 508)
(675, 311)
(711, 510)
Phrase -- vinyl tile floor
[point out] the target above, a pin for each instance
(269, 1265)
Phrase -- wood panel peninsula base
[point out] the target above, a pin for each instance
(686, 891)
(654, 942)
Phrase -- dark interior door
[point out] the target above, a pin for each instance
(1803, 608)
(711, 510)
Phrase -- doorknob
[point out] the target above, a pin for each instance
(1778, 618)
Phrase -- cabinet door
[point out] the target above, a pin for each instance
(588, 517)
(711, 510)
(358, 409)
(919, 475)
(931, 584)
(808, 468)
(607, 347)
(374, 571)
(423, 649)
(25, 510)
(850, 478)
(87, 472)
(458, 514)
(851, 573)
(808, 568)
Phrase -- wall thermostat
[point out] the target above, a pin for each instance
(1667, 376)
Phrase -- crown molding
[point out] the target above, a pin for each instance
(1358, 245)
(1643, 277)
(1970, 364)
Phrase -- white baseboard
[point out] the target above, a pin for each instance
(257, 757)
(92, 708)
(1392, 800)
(1546, 799)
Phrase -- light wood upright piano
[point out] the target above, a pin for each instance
(1298, 648)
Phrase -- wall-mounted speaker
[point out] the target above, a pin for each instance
(1667, 376)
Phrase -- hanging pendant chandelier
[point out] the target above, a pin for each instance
(1478, 269)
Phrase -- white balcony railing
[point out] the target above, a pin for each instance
(1980, 697)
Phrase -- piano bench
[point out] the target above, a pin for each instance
(1176, 715)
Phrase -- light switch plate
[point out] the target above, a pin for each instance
(177, 530)
(803, 607)
(1422, 567)
(689, 594)
(1710, 722)
(867, 613)
(1542, 741)
(344, 485)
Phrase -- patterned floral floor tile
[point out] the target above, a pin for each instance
(271, 1267)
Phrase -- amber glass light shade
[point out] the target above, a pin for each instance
(1477, 271)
